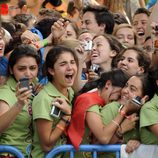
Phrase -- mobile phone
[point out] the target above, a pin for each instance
(56, 112)
(137, 101)
(88, 45)
(24, 82)
(94, 67)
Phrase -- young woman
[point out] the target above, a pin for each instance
(105, 122)
(137, 85)
(105, 48)
(134, 60)
(15, 102)
(149, 113)
(125, 34)
(61, 69)
(110, 124)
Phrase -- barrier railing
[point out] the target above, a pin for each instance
(11, 150)
(85, 148)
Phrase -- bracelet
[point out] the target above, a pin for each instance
(116, 123)
(60, 127)
(67, 122)
(45, 42)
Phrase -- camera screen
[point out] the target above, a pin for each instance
(24, 82)
(56, 110)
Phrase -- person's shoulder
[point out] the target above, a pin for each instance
(151, 103)
(111, 105)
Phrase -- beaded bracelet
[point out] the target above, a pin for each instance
(118, 133)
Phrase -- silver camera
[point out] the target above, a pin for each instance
(88, 46)
(137, 101)
(56, 112)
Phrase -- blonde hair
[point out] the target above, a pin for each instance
(118, 27)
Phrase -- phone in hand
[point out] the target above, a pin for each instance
(24, 82)
(56, 112)
(137, 101)
(88, 45)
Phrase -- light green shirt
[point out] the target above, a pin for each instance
(41, 110)
(109, 112)
(18, 134)
(148, 117)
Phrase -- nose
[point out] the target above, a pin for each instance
(69, 66)
(139, 25)
(123, 62)
(93, 47)
(125, 39)
(27, 73)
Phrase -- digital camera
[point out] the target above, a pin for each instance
(88, 46)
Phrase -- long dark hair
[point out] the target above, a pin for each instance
(116, 76)
(52, 57)
(23, 50)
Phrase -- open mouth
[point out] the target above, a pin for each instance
(69, 77)
(141, 33)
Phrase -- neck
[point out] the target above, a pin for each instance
(63, 90)
(106, 66)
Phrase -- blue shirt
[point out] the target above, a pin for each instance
(3, 66)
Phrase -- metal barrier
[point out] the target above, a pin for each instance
(11, 150)
(85, 148)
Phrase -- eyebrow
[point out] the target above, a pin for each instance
(132, 86)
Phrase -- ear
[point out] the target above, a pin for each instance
(102, 27)
(113, 53)
(107, 84)
(157, 82)
(144, 99)
(24, 9)
(141, 70)
(51, 71)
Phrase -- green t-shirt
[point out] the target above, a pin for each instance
(148, 117)
(41, 108)
(18, 134)
(109, 112)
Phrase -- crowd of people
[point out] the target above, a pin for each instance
(75, 76)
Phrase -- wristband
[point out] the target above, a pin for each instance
(45, 42)
(60, 127)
